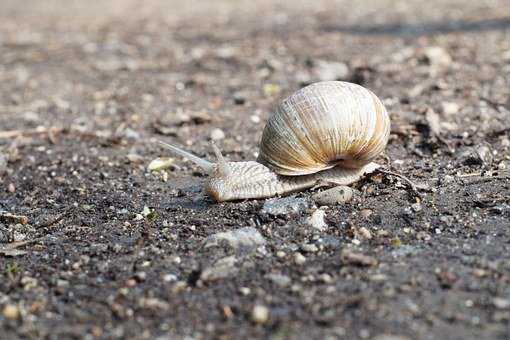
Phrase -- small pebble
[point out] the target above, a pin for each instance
(170, 277)
(333, 196)
(279, 279)
(365, 233)
(330, 70)
(280, 254)
(437, 56)
(501, 303)
(350, 257)
(449, 108)
(11, 312)
(309, 248)
(260, 314)
(217, 134)
(366, 213)
(283, 206)
(221, 269)
(299, 259)
(316, 220)
(160, 163)
(245, 291)
(135, 158)
(3, 163)
(247, 238)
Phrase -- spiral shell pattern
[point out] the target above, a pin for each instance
(323, 125)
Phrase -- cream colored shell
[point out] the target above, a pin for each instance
(323, 125)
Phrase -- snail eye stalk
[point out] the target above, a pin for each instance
(207, 166)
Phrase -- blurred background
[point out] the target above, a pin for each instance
(104, 64)
(114, 250)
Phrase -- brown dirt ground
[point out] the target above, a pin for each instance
(108, 79)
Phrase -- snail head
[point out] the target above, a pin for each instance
(220, 172)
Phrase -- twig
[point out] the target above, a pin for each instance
(11, 218)
(415, 187)
(10, 134)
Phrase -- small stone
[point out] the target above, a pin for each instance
(247, 238)
(416, 207)
(366, 213)
(283, 206)
(179, 286)
(330, 70)
(378, 278)
(365, 233)
(11, 188)
(141, 276)
(260, 314)
(299, 259)
(135, 158)
(309, 248)
(506, 55)
(357, 259)
(437, 56)
(316, 220)
(478, 272)
(217, 134)
(3, 163)
(333, 196)
(485, 154)
(170, 277)
(129, 133)
(153, 303)
(160, 163)
(245, 291)
(501, 303)
(280, 254)
(223, 268)
(11, 312)
(449, 108)
(255, 119)
(279, 279)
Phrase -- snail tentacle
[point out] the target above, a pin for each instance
(205, 165)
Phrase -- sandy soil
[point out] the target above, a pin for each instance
(93, 245)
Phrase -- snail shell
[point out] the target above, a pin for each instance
(325, 132)
(324, 125)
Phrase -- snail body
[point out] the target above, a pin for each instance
(325, 132)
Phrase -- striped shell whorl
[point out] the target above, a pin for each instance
(323, 125)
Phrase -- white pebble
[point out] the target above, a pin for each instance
(217, 134)
(299, 258)
(260, 314)
(316, 221)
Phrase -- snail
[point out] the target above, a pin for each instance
(327, 132)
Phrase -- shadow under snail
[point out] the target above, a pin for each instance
(325, 133)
